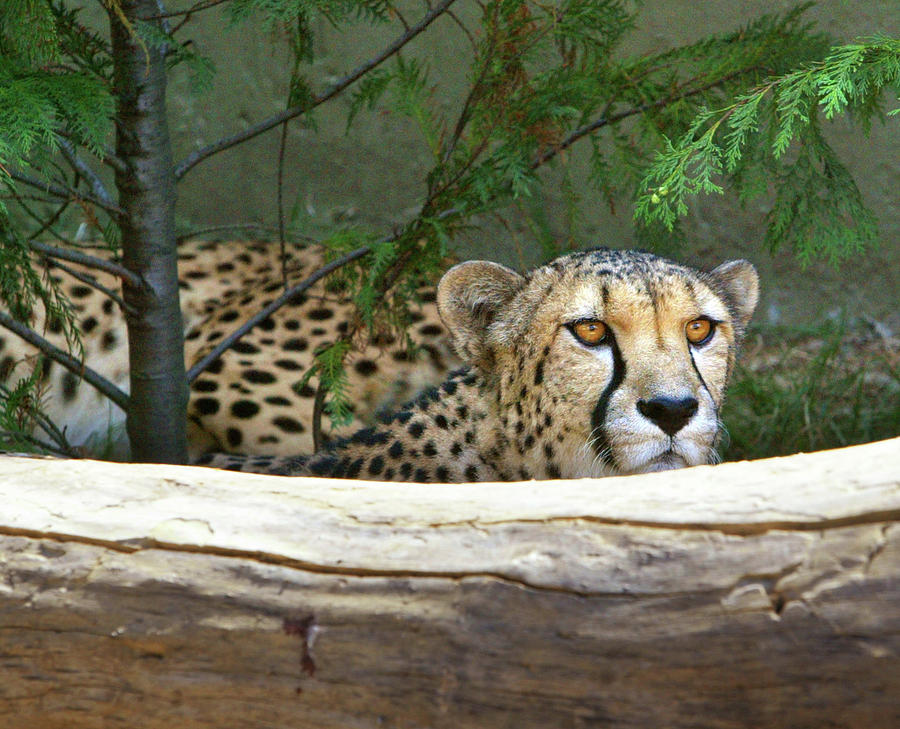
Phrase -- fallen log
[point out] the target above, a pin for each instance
(761, 594)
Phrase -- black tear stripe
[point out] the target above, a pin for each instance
(599, 435)
(703, 382)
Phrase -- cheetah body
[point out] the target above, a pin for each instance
(539, 397)
(250, 398)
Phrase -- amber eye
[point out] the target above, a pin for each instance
(590, 332)
(699, 331)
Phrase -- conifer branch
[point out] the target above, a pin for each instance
(93, 378)
(84, 259)
(89, 280)
(85, 170)
(64, 192)
(200, 155)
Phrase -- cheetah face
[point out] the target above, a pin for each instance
(603, 362)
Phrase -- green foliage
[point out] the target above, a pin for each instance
(773, 133)
(820, 392)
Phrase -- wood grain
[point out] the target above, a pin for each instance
(743, 595)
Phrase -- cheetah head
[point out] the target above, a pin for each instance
(601, 362)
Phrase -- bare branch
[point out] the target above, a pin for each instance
(89, 280)
(96, 380)
(195, 158)
(64, 192)
(196, 8)
(90, 261)
(85, 170)
(266, 312)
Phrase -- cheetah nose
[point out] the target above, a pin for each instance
(669, 414)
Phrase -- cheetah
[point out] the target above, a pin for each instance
(250, 398)
(602, 362)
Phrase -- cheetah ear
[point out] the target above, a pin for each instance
(738, 282)
(469, 297)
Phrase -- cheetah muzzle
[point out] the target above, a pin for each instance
(602, 362)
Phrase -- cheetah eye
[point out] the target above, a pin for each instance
(590, 332)
(700, 331)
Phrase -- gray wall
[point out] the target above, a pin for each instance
(374, 174)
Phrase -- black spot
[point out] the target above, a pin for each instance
(416, 316)
(206, 405)
(365, 367)
(215, 367)
(529, 440)
(323, 465)
(403, 416)
(193, 335)
(376, 465)
(245, 348)
(431, 330)
(421, 475)
(277, 400)
(449, 387)
(55, 324)
(462, 411)
(109, 340)
(548, 451)
(442, 473)
(471, 473)
(107, 306)
(195, 274)
(267, 324)
(305, 391)
(440, 421)
(470, 437)
(430, 449)
(244, 409)
(229, 315)
(406, 470)
(320, 314)
(45, 365)
(79, 292)
(318, 332)
(70, 382)
(456, 448)
(288, 425)
(401, 356)
(396, 449)
(260, 377)
(416, 429)
(88, 325)
(389, 475)
(287, 364)
(225, 267)
(520, 427)
(539, 372)
(292, 325)
(553, 471)
(234, 437)
(297, 344)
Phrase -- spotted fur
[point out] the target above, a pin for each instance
(250, 398)
(536, 401)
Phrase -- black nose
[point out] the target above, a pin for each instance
(669, 414)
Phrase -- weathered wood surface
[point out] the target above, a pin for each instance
(762, 594)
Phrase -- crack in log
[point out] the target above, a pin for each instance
(139, 545)
(738, 529)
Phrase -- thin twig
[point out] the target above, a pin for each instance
(90, 261)
(201, 154)
(48, 223)
(84, 169)
(89, 280)
(64, 193)
(58, 450)
(190, 11)
(640, 109)
(90, 376)
(240, 226)
(266, 312)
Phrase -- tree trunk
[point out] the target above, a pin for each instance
(157, 415)
(762, 594)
